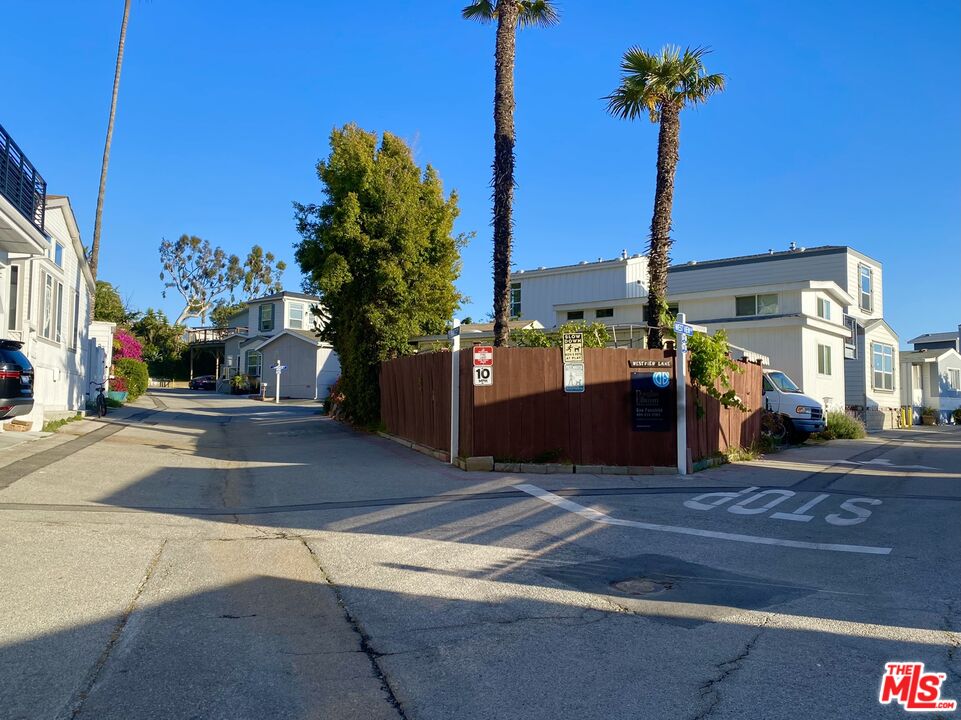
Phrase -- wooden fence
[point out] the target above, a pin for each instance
(526, 415)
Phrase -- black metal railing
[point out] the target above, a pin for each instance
(20, 183)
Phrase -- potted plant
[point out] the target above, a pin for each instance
(239, 384)
(929, 416)
(118, 389)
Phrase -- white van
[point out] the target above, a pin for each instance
(802, 414)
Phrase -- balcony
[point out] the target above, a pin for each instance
(211, 335)
(22, 200)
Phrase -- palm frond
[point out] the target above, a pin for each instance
(540, 13)
(481, 11)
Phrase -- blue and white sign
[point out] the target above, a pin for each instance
(661, 379)
(574, 377)
(279, 368)
(683, 344)
(683, 328)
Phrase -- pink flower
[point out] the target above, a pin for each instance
(126, 345)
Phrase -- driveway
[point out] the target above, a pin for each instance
(214, 557)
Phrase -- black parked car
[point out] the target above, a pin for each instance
(16, 380)
(204, 382)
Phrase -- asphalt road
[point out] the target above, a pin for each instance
(212, 557)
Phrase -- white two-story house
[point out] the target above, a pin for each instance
(280, 328)
(816, 313)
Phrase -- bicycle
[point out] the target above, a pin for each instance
(773, 427)
(100, 402)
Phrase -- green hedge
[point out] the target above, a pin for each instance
(136, 375)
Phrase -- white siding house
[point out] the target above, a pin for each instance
(816, 313)
(281, 327)
(931, 379)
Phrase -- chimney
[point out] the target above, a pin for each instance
(624, 254)
(793, 246)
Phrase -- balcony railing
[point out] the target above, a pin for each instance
(200, 335)
(20, 183)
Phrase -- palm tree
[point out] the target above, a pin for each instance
(510, 15)
(661, 85)
(95, 248)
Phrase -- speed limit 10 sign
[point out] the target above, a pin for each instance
(484, 375)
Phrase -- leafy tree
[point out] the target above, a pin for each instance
(223, 313)
(201, 273)
(596, 335)
(110, 307)
(660, 86)
(381, 252)
(97, 225)
(163, 343)
(510, 15)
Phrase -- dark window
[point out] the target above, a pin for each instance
(866, 288)
(604, 313)
(672, 310)
(575, 314)
(515, 300)
(14, 296)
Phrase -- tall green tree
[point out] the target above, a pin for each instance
(381, 252)
(660, 85)
(510, 15)
(98, 219)
(163, 343)
(110, 307)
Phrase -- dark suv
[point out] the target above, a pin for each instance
(16, 380)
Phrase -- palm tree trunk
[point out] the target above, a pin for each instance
(507, 12)
(659, 254)
(95, 248)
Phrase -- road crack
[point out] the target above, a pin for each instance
(726, 669)
(74, 706)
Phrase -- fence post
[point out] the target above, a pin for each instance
(680, 354)
(454, 336)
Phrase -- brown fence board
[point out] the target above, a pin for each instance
(713, 428)
(415, 398)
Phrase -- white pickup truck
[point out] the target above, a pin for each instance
(801, 414)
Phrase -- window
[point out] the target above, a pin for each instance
(851, 343)
(58, 313)
(575, 315)
(46, 324)
(882, 361)
(672, 310)
(254, 361)
(266, 317)
(58, 254)
(824, 308)
(604, 313)
(515, 300)
(954, 377)
(75, 330)
(14, 297)
(866, 288)
(747, 305)
(824, 359)
(296, 316)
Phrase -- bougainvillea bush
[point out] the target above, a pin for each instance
(125, 345)
(118, 384)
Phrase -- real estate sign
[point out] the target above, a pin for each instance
(652, 402)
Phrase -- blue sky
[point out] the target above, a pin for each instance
(840, 125)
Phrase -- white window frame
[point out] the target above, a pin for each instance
(824, 308)
(59, 313)
(13, 298)
(46, 305)
(515, 300)
(954, 378)
(757, 305)
(882, 351)
(57, 254)
(824, 360)
(248, 366)
(866, 271)
(75, 329)
(302, 308)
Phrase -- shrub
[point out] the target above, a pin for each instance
(134, 373)
(118, 384)
(957, 416)
(841, 426)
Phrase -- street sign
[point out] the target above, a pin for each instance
(483, 356)
(573, 347)
(574, 377)
(279, 368)
(683, 328)
(483, 375)
(683, 344)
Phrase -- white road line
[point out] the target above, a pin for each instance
(599, 517)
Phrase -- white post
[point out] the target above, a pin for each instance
(680, 347)
(277, 383)
(454, 391)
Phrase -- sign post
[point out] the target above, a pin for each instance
(278, 368)
(454, 335)
(682, 330)
(572, 351)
